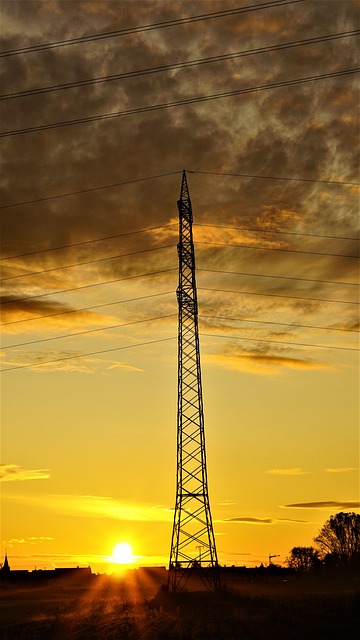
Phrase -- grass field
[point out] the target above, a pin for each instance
(106, 608)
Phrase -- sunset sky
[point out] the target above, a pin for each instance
(89, 351)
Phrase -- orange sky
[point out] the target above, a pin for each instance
(89, 439)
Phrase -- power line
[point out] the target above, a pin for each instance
(172, 224)
(179, 103)
(87, 286)
(83, 242)
(278, 295)
(147, 27)
(95, 306)
(85, 262)
(126, 324)
(105, 282)
(282, 324)
(81, 191)
(238, 175)
(248, 175)
(84, 355)
(178, 65)
(141, 344)
(232, 318)
(297, 344)
(124, 255)
(287, 233)
(246, 246)
(263, 275)
(81, 333)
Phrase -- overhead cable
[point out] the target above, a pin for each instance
(179, 103)
(87, 286)
(81, 309)
(126, 324)
(265, 275)
(81, 333)
(282, 324)
(120, 184)
(297, 344)
(141, 344)
(83, 242)
(222, 271)
(172, 224)
(249, 175)
(246, 246)
(276, 231)
(154, 295)
(147, 27)
(178, 65)
(86, 262)
(106, 282)
(81, 191)
(277, 295)
(85, 355)
(167, 246)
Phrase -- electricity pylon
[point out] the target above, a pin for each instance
(193, 548)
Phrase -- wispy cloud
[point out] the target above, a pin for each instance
(248, 520)
(291, 471)
(260, 363)
(100, 507)
(11, 472)
(123, 366)
(340, 469)
(29, 540)
(52, 360)
(328, 504)
(251, 520)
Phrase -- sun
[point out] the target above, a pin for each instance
(122, 554)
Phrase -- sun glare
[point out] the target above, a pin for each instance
(122, 554)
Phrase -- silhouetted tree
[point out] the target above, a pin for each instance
(303, 558)
(340, 537)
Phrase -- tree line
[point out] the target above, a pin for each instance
(336, 545)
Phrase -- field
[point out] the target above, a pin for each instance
(105, 608)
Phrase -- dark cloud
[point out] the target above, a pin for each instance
(249, 520)
(329, 504)
(307, 131)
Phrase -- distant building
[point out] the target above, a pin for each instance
(73, 574)
(5, 570)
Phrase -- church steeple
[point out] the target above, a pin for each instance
(5, 569)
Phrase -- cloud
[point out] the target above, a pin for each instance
(100, 507)
(51, 360)
(11, 472)
(273, 135)
(329, 504)
(54, 560)
(123, 366)
(270, 126)
(291, 471)
(251, 520)
(46, 315)
(30, 540)
(262, 364)
(55, 360)
(340, 469)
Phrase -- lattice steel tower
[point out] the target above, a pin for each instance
(193, 547)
